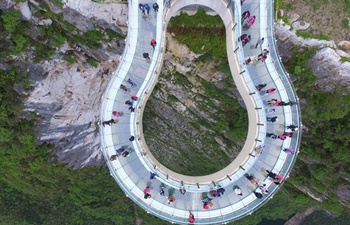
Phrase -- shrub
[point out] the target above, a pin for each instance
(11, 20)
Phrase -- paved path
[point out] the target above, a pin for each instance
(132, 173)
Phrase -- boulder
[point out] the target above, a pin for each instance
(330, 72)
(25, 11)
(300, 25)
(342, 53)
(344, 195)
(344, 45)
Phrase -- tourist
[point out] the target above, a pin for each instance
(251, 21)
(191, 218)
(259, 87)
(250, 178)
(162, 192)
(292, 128)
(182, 190)
(146, 55)
(272, 119)
(131, 82)
(155, 7)
(113, 157)
(152, 176)
(109, 122)
(271, 91)
(148, 8)
(123, 88)
(245, 16)
(120, 150)
(153, 43)
(259, 42)
(171, 199)
(132, 109)
(282, 137)
(132, 138)
(146, 192)
(238, 191)
(128, 102)
(258, 194)
(142, 8)
(125, 153)
(271, 174)
(288, 151)
(272, 135)
(134, 97)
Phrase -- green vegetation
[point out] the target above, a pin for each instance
(306, 35)
(69, 59)
(322, 217)
(344, 59)
(36, 189)
(327, 116)
(345, 23)
(195, 149)
(200, 34)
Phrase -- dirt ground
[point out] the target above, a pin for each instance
(324, 16)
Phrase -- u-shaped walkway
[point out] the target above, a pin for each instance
(132, 173)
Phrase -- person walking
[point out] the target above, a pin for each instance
(142, 8)
(272, 119)
(108, 122)
(191, 218)
(238, 191)
(120, 150)
(152, 175)
(259, 42)
(146, 193)
(245, 16)
(251, 21)
(259, 87)
(271, 91)
(123, 88)
(292, 127)
(128, 102)
(134, 97)
(155, 7)
(148, 8)
(132, 138)
(288, 151)
(153, 43)
(132, 109)
(271, 174)
(132, 83)
(162, 192)
(247, 40)
(258, 194)
(171, 199)
(146, 55)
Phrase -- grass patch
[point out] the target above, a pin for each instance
(69, 59)
(345, 23)
(201, 33)
(344, 59)
(306, 35)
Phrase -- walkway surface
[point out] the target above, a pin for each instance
(260, 153)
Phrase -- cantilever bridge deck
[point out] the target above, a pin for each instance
(132, 173)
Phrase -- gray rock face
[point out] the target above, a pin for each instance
(25, 11)
(344, 195)
(67, 98)
(67, 102)
(287, 39)
(329, 70)
(325, 64)
(185, 117)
